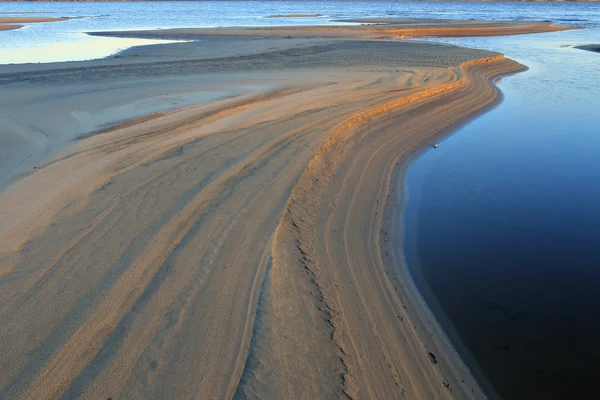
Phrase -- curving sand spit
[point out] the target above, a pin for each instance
(241, 247)
(244, 247)
(9, 23)
(368, 28)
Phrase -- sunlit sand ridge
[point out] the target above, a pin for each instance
(243, 246)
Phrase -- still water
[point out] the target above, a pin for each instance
(503, 224)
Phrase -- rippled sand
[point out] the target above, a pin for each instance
(245, 246)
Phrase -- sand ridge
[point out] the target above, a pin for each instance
(366, 28)
(50, 104)
(354, 269)
(226, 224)
(200, 252)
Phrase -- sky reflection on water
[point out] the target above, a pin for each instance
(503, 230)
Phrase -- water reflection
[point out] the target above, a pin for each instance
(504, 227)
(83, 48)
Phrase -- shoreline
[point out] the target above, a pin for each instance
(456, 376)
(236, 186)
(428, 303)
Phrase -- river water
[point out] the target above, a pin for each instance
(502, 223)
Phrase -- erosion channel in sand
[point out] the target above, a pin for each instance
(245, 246)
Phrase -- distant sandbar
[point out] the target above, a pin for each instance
(380, 28)
(11, 23)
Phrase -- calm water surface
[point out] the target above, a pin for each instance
(503, 232)
(503, 224)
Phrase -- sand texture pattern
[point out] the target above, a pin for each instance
(243, 247)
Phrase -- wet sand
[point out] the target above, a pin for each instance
(246, 246)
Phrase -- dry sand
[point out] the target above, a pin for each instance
(247, 246)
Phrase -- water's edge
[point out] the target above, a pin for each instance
(400, 226)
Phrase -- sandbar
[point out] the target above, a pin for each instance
(219, 219)
(372, 28)
(9, 27)
(10, 23)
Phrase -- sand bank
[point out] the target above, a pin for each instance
(246, 246)
(10, 27)
(295, 16)
(10, 23)
(379, 28)
(590, 47)
(30, 20)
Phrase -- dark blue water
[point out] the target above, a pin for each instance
(503, 224)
